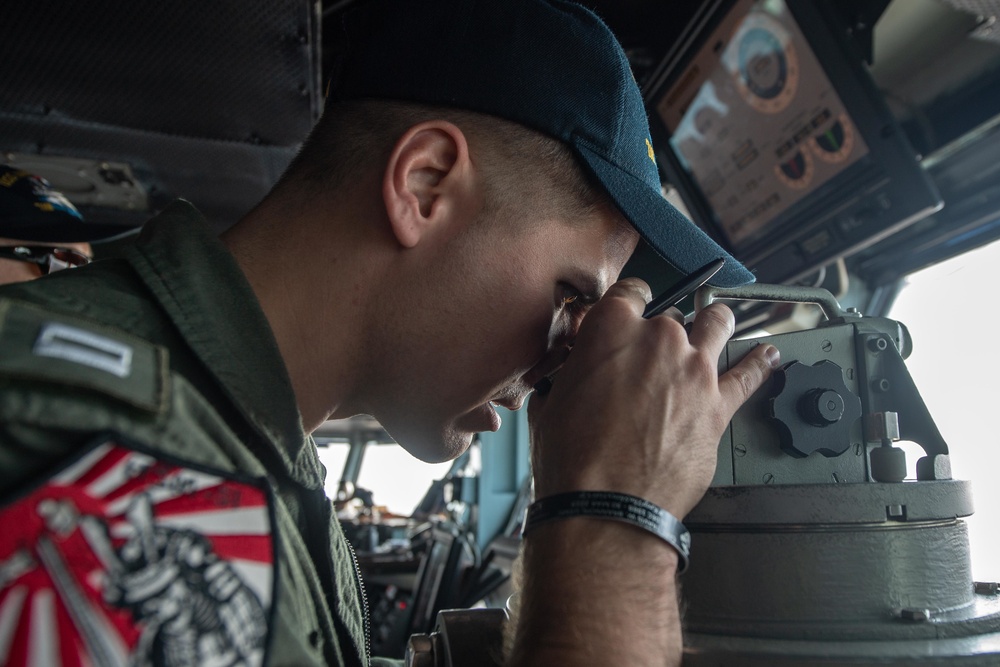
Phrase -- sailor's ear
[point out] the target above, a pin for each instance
(426, 180)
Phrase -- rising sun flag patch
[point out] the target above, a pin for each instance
(126, 558)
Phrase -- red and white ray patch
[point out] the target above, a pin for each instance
(124, 557)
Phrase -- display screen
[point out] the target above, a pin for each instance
(755, 121)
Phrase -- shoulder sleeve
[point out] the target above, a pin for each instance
(38, 346)
(62, 378)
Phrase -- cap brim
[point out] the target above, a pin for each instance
(675, 239)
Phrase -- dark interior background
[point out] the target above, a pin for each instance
(209, 101)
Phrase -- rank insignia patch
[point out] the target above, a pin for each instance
(126, 558)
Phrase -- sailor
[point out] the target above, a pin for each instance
(450, 235)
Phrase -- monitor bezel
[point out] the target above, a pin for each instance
(891, 165)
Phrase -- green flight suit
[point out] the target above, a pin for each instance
(207, 385)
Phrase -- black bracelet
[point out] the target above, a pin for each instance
(615, 506)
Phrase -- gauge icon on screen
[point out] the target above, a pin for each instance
(797, 171)
(835, 143)
(763, 61)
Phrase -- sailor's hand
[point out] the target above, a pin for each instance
(639, 406)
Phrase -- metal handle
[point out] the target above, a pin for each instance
(779, 293)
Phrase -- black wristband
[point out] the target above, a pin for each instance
(615, 506)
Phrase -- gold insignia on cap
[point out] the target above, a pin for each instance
(649, 150)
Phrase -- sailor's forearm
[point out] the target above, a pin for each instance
(597, 592)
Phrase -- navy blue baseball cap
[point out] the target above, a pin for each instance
(550, 65)
(30, 210)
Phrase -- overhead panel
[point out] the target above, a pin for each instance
(206, 101)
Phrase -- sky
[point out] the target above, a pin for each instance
(398, 480)
(953, 319)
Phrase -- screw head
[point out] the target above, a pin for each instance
(822, 407)
(740, 449)
(882, 385)
(878, 345)
(768, 478)
(826, 346)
